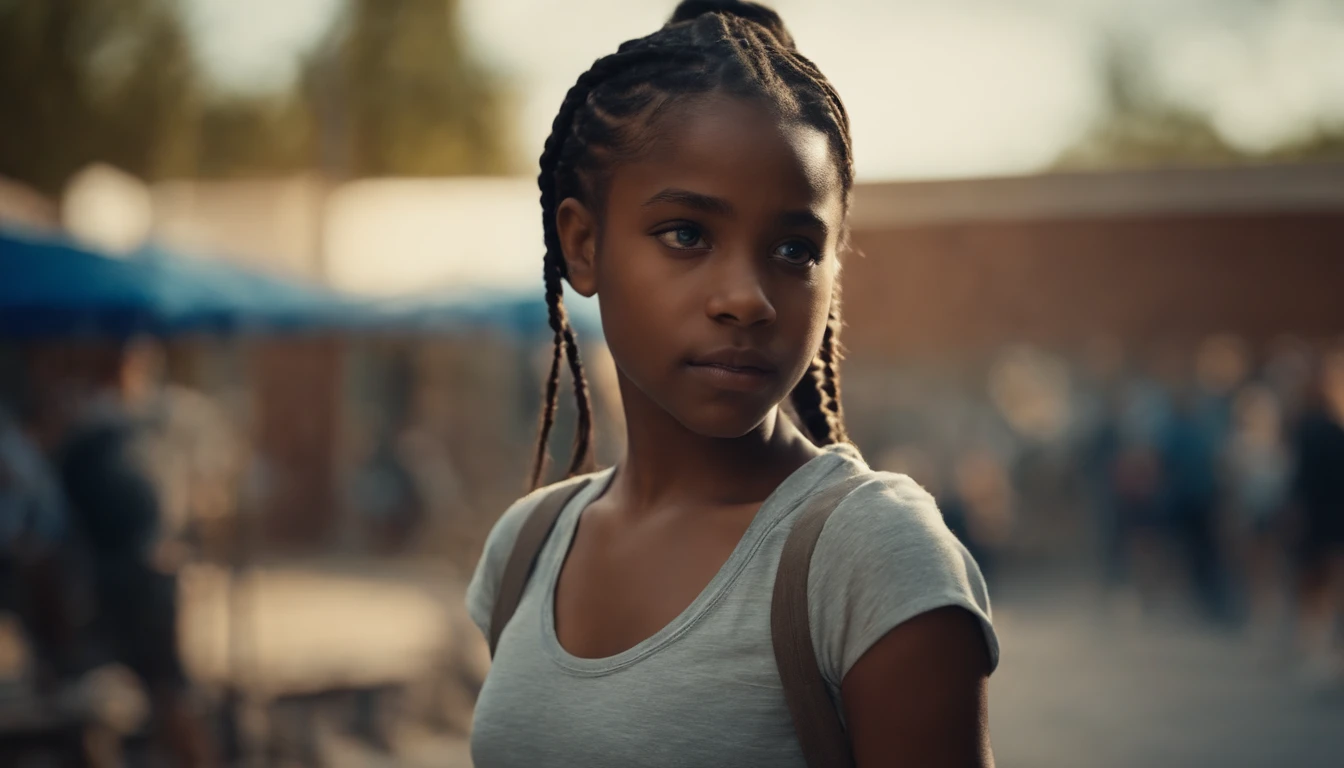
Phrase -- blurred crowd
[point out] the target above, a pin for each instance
(104, 475)
(1203, 476)
(1225, 476)
(123, 495)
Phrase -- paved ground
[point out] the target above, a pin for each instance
(1077, 688)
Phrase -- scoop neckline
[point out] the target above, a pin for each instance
(786, 496)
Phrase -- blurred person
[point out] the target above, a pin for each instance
(1288, 372)
(1221, 366)
(103, 465)
(1094, 441)
(981, 508)
(197, 460)
(1257, 471)
(44, 581)
(1318, 496)
(388, 494)
(33, 531)
(1137, 481)
(697, 182)
(1189, 455)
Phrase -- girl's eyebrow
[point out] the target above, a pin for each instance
(720, 207)
(803, 219)
(702, 203)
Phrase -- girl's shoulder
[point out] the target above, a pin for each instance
(499, 544)
(885, 556)
(889, 508)
(890, 525)
(887, 501)
(506, 528)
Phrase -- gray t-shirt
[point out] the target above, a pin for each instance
(704, 691)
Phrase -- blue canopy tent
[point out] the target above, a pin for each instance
(54, 289)
(518, 313)
(50, 286)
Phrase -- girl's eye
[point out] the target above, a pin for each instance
(683, 237)
(798, 253)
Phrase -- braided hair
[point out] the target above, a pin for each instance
(737, 48)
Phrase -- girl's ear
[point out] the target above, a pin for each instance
(577, 228)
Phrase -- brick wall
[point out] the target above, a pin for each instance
(959, 287)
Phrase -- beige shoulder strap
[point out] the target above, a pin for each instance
(815, 718)
(531, 538)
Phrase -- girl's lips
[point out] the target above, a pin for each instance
(736, 359)
(742, 379)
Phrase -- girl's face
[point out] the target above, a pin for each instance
(715, 261)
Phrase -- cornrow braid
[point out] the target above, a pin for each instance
(807, 400)
(554, 269)
(738, 48)
(830, 355)
(558, 322)
(816, 398)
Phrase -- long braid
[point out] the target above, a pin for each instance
(739, 47)
(556, 313)
(816, 398)
(830, 356)
(553, 270)
(558, 319)
(807, 402)
(583, 433)
(554, 168)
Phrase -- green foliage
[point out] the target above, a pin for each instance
(392, 91)
(1138, 128)
(402, 86)
(86, 80)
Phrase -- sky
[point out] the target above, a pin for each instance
(935, 88)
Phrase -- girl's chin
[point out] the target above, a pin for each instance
(724, 424)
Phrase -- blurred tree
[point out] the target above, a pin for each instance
(392, 91)
(1139, 128)
(255, 135)
(86, 80)
(1325, 143)
(396, 92)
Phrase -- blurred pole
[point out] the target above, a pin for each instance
(242, 715)
(333, 145)
(334, 167)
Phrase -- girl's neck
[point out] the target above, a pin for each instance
(668, 464)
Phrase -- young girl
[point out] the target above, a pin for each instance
(697, 181)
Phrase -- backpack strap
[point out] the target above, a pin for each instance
(815, 718)
(526, 548)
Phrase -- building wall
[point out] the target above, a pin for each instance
(297, 386)
(941, 287)
(272, 224)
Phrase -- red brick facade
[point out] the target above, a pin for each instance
(938, 286)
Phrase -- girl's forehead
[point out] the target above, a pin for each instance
(727, 142)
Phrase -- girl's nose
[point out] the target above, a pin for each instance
(738, 295)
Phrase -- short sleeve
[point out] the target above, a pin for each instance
(484, 585)
(884, 557)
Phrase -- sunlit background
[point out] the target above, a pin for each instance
(1095, 308)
